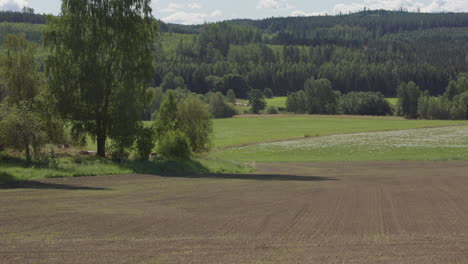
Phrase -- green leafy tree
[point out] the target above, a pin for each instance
(23, 130)
(172, 81)
(175, 145)
(257, 101)
(101, 59)
(408, 97)
(19, 69)
(320, 97)
(196, 123)
(236, 83)
(218, 106)
(167, 117)
(268, 93)
(231, 96)
(457, 87)
(145, 142)
(296, 102)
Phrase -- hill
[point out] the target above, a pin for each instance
(365, 51)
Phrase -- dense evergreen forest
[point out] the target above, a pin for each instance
(365, 51)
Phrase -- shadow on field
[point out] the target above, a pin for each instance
(257, 177)
(5, 178)
(46, 186)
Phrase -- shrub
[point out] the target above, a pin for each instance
(271, 110)
(365, 103)
(257, 101)
(408, 96)
(268, 93)
(218, 107)
(320, 97)
(22, 129)
(295, 103)
(145, 142)
(196, 123)
(231, 96)
(174, 145)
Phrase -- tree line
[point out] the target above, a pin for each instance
(367, 51)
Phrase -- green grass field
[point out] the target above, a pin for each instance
(427, 144)
(90, 166)
(269, 138)
(248, 130)
(392, 101)
(277, 102)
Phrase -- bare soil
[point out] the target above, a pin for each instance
(335, 212)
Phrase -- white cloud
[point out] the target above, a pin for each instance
(194, 6)
(14, 5)
(410, 5)
(303, 13)
(216, 13)
(190, 18)
(274, 4)
(174, 7)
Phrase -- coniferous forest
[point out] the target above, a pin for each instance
(365, 51)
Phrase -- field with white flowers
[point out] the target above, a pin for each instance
(422, 144)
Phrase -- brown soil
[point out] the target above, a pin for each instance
(359, 212)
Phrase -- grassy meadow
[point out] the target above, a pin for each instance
(242, 140)
(250, 130)
(426, 144)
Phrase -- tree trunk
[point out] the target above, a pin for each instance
(101, 145)
(28, 153)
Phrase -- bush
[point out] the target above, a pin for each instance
(174, 145)
(365, 103)
(271, 110)
(257, 101)
(196, 123)
(23, 129)
(231, 96)
(408, 96)
(145, 142)
(268, 93)
(296, 103)
(320, 97)
(218, 107)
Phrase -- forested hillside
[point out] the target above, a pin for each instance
(366, 51)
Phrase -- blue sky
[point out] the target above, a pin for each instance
(200, 11)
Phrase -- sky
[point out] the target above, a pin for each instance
(201, 11)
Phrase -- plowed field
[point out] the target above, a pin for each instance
(329, 212)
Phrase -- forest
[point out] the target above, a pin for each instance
(366, 51)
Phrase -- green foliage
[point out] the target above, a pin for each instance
(157, 96)
(196, 123)
(319, 97)
(295, 102)
(457, 87)
(231, 96)
(23, 129)
(364, 103)
(257, 101)
(236, 83)
(434, 108)
(271, 110)
(98, 54)
(171, 82)
(19, 69)
(214, 83)
(145, 142)
(167, 118)
(174, 144)
(408, 96)
(268, 93)
(218, 106)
